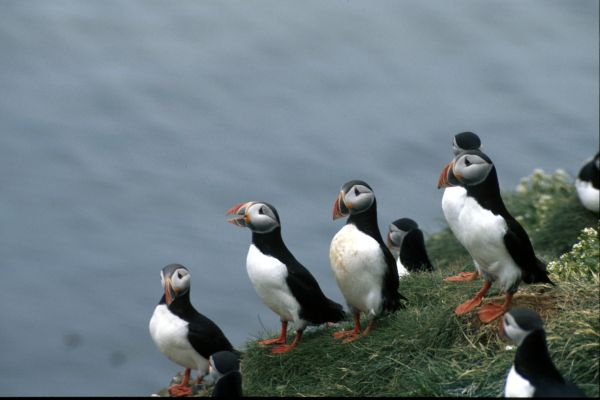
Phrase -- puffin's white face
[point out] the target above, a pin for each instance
(512, 330)
(395, 237)
(213, 374)
(354, 198)
(455, 148)
(471, 169)
(175, 284)
(358, 198)
(519, 322)
(261, 218)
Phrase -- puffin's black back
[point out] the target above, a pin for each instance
(533, 363)
(229, 385)
(413, 254)
(366, 222)
(315, 306)
(204, 335)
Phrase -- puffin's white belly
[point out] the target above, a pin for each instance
(588, 195)
(169, 333)
(268, 275)
(402, 271)
(517, 386)
(453, 201)
(358, 266)
(483, 235)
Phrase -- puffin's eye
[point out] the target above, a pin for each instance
(356, 192)
(261, 211)
(467, 162)
(179, 275)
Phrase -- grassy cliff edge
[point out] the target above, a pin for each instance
(425, 350)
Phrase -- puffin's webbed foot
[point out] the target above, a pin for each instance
(463, 277)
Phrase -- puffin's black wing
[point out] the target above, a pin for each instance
(316, 307)
(520, 249)
(391, 297)
(229, 385)
(206, 337)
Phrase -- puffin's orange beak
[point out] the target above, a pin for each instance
(443, 180)
(339, 208)
(169, 292)
(241, 218)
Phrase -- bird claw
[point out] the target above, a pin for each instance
(180, 390)
(343, 334)
(272, 341)
(462, 277)
(282, 349)
(468, 306)
(490, 312)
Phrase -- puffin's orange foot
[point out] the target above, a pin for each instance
(282, 349)
(180, 390)
(467, 306)
(272, 341)
(463, 277)
(351, 338)
(343, 334)
(490, 312)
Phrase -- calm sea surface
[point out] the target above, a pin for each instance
(128, 128)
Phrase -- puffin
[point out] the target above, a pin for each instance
(453, 200)
(493, 237)
(405, 239)
(280, 280)
(185, 336)
(587, 184)
(533, 374)
(224, 370)
(364, 268)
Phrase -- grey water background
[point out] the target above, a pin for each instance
(128, 128)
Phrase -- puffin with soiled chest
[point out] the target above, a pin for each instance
(493, 237)
(282, 283)
(364, 268)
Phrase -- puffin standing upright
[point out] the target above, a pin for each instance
(454, 198)
(533, 374)
(406, 239)
(185, 336)
(363, 266)
(587, 184)
(495, 240)
(282, 283)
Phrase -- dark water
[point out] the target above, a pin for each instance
(128, 128)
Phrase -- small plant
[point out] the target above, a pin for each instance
(582, 261)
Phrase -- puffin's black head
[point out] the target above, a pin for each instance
(398, 230)
(175, 279)
(355, 197)
(519, 322)
(260, 217)
(468, 168)
(465, 141)
(222, 362)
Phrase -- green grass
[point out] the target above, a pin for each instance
(425, 350)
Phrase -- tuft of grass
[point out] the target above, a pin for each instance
(425, 350)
